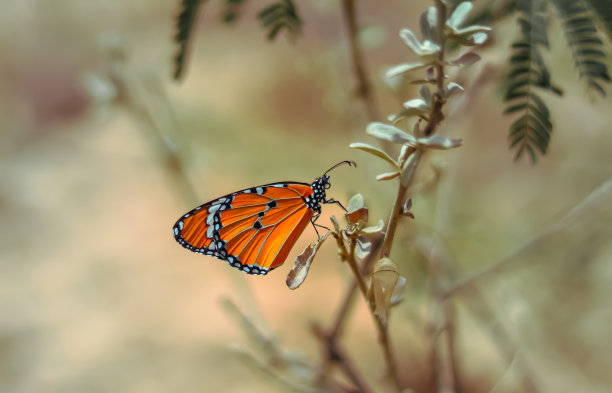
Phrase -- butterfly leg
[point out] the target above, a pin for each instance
(336, 202)
(315, 225)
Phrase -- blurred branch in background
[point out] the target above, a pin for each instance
(147, 101)
(364, 86)
(598, 198)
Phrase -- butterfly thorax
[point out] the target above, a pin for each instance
(314, 200)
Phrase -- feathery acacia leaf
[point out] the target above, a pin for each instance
(280, 15)
(232, 10)
(603, 9)
(584, 43)
(530, 132)
(185, 23)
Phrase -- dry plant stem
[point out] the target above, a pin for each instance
(149, 118)
(350, 292)
(396, 214)
(476, 303)
(438, 271)
(343, 311)
(598, 196)
(364, 89)
(383, 337)
(435, 328)
(444, 370)
(436, 113)
(337, 355)
(502, 338)
(449, 315)
(348, 256)
(383, 332)
(382, 328)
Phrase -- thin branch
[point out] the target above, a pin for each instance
(364, 90)
(334, 333)
(396, 214)
(449, 328)
(597, 196)
(348, 256)
(481, 309)
(336, 354)
(437, 115)
(381, 326)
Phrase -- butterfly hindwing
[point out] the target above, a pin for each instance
(252, 229)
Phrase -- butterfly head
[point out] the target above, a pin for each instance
(319, 186)
(318, 193)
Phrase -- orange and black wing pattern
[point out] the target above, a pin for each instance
(253, 229)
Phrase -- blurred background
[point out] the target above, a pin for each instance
(102, 151)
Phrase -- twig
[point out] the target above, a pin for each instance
(393, 220)
(381, 326)
(441, 323)
(448, 310)
(333, 335)
(364, 90)
(336, 354)
(597, 196)
(437, 116)
(345, 307)
(348, 256)
(128, 95)
(480, 307)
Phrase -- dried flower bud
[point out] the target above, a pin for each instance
(385, 278)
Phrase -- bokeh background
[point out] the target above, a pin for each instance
(101, 152)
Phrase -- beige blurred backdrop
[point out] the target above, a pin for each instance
(95, 294)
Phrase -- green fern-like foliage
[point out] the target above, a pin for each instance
(185, 23)
(530, 132)
(231, 12)
(275, 18)
(528, 76)
(280, 15)
(603, 10)
(586, 46)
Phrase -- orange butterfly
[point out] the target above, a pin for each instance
(254, 229)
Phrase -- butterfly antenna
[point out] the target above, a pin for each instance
(349, 163)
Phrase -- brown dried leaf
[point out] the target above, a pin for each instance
(299, 271)
(357, 217)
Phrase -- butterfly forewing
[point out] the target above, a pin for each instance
(253, 229)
